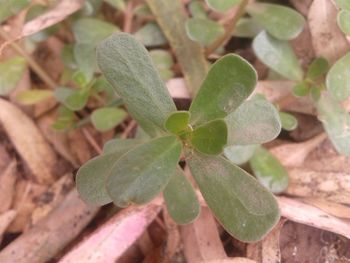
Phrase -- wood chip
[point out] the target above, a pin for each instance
(7, 186)
(5, 220)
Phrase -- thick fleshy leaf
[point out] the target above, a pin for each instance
(117, 145)
(11, 72)
(247, 27)
(317, 68)
(343, 4)
(151, 35)
(92, 31)
(246, 209)
(277, 55)
(143, 172)
(280, 21)
(288, 121)
(91, 177)
(228, 83)
(240, 154)
(336, 122)
(118, 4)
(301, 89)
(11, 7)
(127, 65)
(210, 138)
(67, 56)
(181, 199)
(203, 30)
(338, 78)
(197, 9)
(163, 62)
(177, 121)
(343, 20)
(33, 96)
(256, 121)
(222, 5)
(73, 99)
(84, 55)
(107, 118)
(269, 171)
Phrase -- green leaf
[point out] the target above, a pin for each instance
(315, 93)
(91, 177)
(336, 122)
(33, 96)
(288, 121)
(73, 99)
(142, 10)
(11, 7)
(65, 119)
(256, 121)
(118, 4)
(177, 122)
(269, 171)
(343, 4)
(210, 138)
(163, 62)
(67, 56)
(105, 119)
(203, 30)
(317, 68)
(338, 78)
(11, 72)
(343, 20)
(247, 27)
(151, 35)
(301, 89)
(282, 22)
(244, 207)
(92, 31)
(120, 145)
(240, 154)
(143, 172)
(84, 55)
(197, 9)
(127, 65)
(180, 198)
(222, 5)
(230, 80)
(278, 55)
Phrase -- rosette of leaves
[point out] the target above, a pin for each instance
(135, 171)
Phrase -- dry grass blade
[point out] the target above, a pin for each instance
(5, 220)
(7, 186)
(271, 245)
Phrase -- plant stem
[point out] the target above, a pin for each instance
(231, 26)
(32, 63)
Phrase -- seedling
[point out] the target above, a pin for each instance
(135, 171)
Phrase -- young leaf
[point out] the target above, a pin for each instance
(84, 55)
(127, 65)
(107, 118)
(151, 35)
(73, 99)
(338, 78)
(91, 177)
(256, 121)
(11, 7)
(244, 207)
(278, 55)
(301, 89)
(197, 9)
(269, 171)
(288, 121)
(247, 27)
(210, 138)
(11, 72)
(177, 122)
(282, 22)
(118, 4)
(240, 154)
(180, 198)
(33, 96)
(203, 30)
(343, 20)
(343, 4)
(230, 80)
(222, 5)
(336, 122)
(143, 172)
(92, 31)
(317, 68)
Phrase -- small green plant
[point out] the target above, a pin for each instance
(134, 171)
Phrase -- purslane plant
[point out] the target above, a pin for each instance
(135, 171)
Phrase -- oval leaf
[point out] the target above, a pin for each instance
(84, 55)
(222, 5)
(317, 68)
(11, 72)
(197, 9)
(247, 27)
(338, 78)
(142, 173)
(256, 121)
(277, 55)
(33, 96)
(107, 118)
(177, 122)
(151, 35)
(181, 199)
(269, 171)
(91, 177)
(210, 138)
(127, 65)
(230, 80)
(301, 89)
(288, 121)
(203, 30)
(280, 21)
(343, 4)
(240, 154)
(343, 20)
(244, 207)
